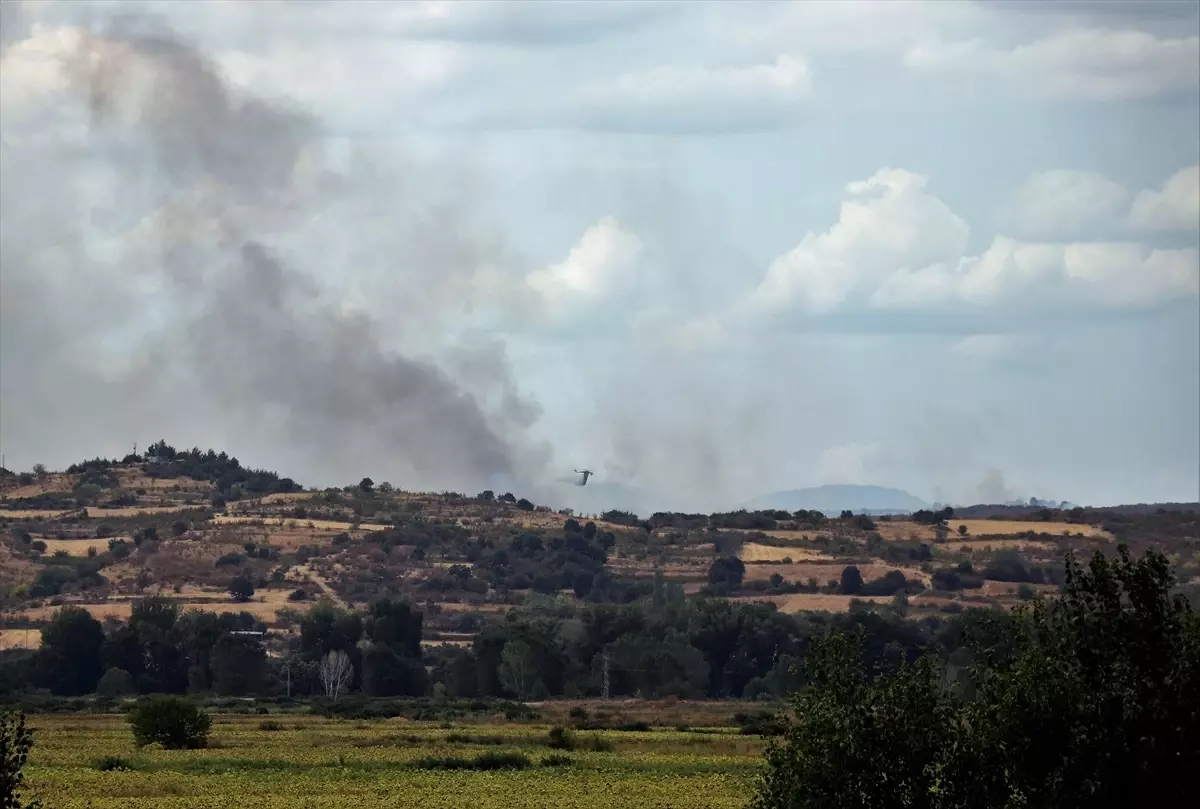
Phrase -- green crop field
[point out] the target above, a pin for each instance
(296, 762)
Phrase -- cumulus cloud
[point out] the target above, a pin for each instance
(1110, 275)
(1176, 206)
(1063, 203)
(599, 265)
(896, 246)
(888, 223)
(1090, 64)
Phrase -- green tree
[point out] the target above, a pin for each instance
(852, 581)
(176, 723)
(1100, 704)
(116, 683)
(518, 669)
(725, 574)
(69, 661)
(241, 588)
(389, 673)
(1088, 701)
(861, 743)
(16, 740)
(238, 664)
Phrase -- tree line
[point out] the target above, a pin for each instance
(660, 646)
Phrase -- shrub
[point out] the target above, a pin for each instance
(560, 739)
(557, 760)
(598, 744)
(113, 764)
(484, 761)
(270, 725)
(297, 595)
(175, 723)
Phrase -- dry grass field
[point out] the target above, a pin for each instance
(31, 513)
(754, 552)
(293, 522)
(20, 638)
(1000, 545)
(811, 602)
(76, 547)
(904, 529)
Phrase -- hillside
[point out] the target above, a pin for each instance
(836, 498)
(186, 525)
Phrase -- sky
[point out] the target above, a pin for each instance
(708, 250)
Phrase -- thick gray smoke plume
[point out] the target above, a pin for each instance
(191, 278)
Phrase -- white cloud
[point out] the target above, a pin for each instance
(847, 463)
(896, 246)
(1105, 274)
(675, 98)
(1096, 64)
(599, 265)
(887, 224)
(1062, 203)
(358, 84)
(1175, 207)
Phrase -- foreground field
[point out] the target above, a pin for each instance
(317, 763)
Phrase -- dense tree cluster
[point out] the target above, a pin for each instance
(1087, 702)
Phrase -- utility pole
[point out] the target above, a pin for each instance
(604, 682)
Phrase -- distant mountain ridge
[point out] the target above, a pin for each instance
(836, 498)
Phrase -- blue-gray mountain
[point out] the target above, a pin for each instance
(834, 499)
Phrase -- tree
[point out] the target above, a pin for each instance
(726, 574)
(39, 470)
(367, 485)
(1088, 701)
(388, 673)
(16, 740)
(852, 581)
(241, 588)
(963, 530)
(174, 722)
(327, 628)
(518, 669)
(70, 662)
(864, 744)
(238, 664)
(116, 683)
(395, 624)
(335, 672)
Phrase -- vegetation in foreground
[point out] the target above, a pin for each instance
(1091, 701)
(1087, 702)
(307, 761)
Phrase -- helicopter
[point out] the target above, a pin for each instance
(586, 473)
